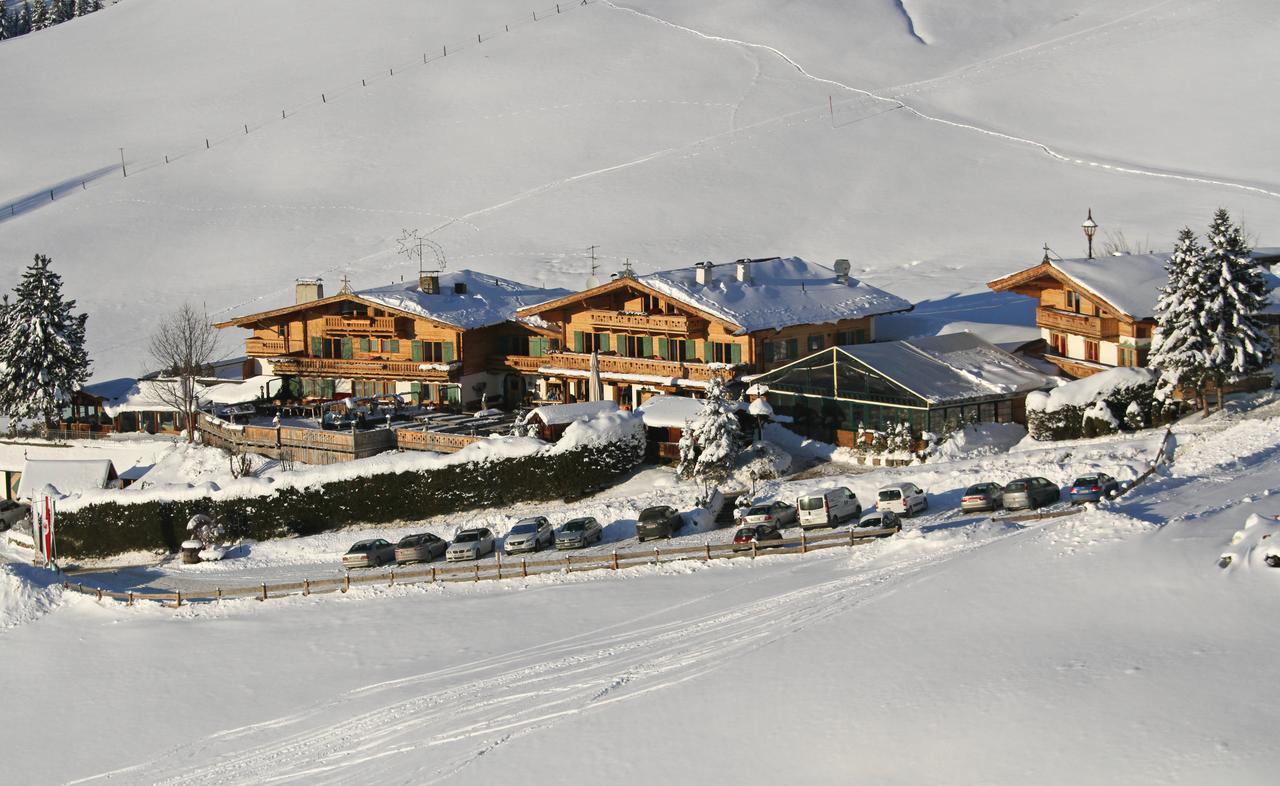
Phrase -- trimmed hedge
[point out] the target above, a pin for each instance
(103, 529)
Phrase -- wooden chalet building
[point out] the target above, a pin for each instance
(1096, 314)
(670, 331)
(431, 340)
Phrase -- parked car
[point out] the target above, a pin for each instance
(1093, 488)
(423, 547)
(1030, 493)
(529, 535)
(880, 519)
(762, 535)
(659, 521)
(470, 544)
(369, 554)
(11, 513)
(577, 533)
(982, 496)
(905, 499)
(776, 514)
(828, 508)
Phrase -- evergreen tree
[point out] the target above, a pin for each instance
(82, 7)
(1235, 293)
(711, 442)
(24, 15)
(1180, 351)
(57, 14)
(39, 15)
(42, 355)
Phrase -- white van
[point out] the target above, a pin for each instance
(828, 508)
(905, 499)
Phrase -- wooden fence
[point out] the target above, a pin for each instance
(501, 569)
(306, 445)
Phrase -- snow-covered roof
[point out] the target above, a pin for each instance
(560, 414)
(1129, 282)
(952, 367)
(241, 391)
(68, 476)
(669, 411)
(781, 292)
(488, 300)
(1006, 337)
(130, 395)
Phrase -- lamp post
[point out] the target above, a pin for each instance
(1090, 228)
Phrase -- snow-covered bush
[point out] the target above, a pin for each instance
(1098, 420)
(1061, 413)
(711, 442)
(1133, 417)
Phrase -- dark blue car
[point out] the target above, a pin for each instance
(1092, 488)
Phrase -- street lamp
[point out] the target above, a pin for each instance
(1090, 228)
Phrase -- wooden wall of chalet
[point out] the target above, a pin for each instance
(801, 334)
(294, 334)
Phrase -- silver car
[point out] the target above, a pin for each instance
(470, 544)
(529, 535)
(1030, 493)
(423, 547)
(776, 514)
(577, 533)
(369, 554)
(982, 496)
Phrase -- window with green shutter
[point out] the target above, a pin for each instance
(447, 352)
(603, 339)
(663, 348)
(579, 341)
(416, 348)
(793, 348)
(395, 346)
(346, 348)
(707, 352)
(317, 346)
(690, 349)
(735, 353)
(646, 346)
(766, 351)
(365, 345)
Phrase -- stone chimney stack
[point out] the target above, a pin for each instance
(842, 271)
(308, 289)
(742, 270)
(702, 273)
(429, 282)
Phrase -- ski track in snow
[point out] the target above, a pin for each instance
(471, 709)
(1121, 168)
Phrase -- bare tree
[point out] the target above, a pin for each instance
(184, 348)
(1116, 244)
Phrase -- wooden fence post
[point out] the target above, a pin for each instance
(306, 586)
(433, 574)
(393, 579)
(615, 559)
(477, 571)
(708, 557)
(130, 603)
(219, 594)
(803, 544)
(346, 582)
(524, 569)
(655, 555)
(568, 563)
(264, 590)
(177, 597)
(753, 549)
(100, 594)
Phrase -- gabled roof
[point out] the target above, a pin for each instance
(67, 476)
(951, 367)
(781, 293)
(561, 414)
(488, 300)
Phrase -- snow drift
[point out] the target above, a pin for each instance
(26, 594)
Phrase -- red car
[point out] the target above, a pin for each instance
(761, 535)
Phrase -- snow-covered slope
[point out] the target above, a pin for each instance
(607, 125)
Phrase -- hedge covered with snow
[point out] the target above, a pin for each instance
(589, 455)
(1095, 406)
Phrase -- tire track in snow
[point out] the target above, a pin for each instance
(465, 721)
(1117, 167)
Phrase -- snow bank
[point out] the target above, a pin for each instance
(1084, 392)
(983, 439)
(26, 593)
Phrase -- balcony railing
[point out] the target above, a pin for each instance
(1077, 324)
(265, 347)
(352, 368)
(652, 323)
(360, 326)
(613, 364)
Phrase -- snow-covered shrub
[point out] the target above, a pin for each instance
(1098, 420)
(1134, 419)
(1060, 413)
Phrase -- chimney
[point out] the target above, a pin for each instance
(742, 270)
(429, 283)
(308, 289)
(702, 273)
(842, 271)
(459, 287)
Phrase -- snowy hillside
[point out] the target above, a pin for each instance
(960, 140)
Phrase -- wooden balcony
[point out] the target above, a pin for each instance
(1077, 324)
(355, 368)
(612, 364)
(264, 347)
(360, 326)
(644, 323)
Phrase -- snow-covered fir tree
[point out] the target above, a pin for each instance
(42, 355)
(1180, 351)
(22, 15)
(59, 12)
(711, 442)
(1133, 419)
(39, 15)
(1234, 294)
(83, 7)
